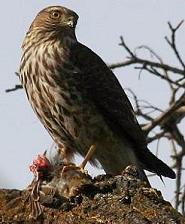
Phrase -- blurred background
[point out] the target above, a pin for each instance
(100, 25)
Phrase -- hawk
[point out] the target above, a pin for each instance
(78, 98)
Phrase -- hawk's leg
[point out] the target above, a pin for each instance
(70, 166)
(65, 154)
(88, 157)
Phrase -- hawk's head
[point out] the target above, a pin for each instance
(55, 18)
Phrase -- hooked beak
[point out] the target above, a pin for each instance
(71, 22)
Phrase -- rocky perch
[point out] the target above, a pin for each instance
(105, 199)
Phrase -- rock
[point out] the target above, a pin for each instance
(107, 199)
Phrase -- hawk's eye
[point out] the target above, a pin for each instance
(55, 14)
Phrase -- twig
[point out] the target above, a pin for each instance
(123, 44)
(14, 88)
(172, 43)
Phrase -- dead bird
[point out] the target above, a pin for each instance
(61, 179)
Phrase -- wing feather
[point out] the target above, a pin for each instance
(105, 91)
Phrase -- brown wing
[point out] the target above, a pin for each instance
(107, 94)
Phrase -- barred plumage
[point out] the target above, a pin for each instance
(78, 99)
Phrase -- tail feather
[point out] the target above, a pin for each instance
(151, 163)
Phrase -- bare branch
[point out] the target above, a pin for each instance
(172, 42)
(156, 136)
(146, 62)
(164, 117)
(178, 182)
(14, 88)
(123, 44)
